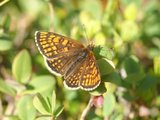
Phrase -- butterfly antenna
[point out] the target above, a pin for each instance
(86, 36)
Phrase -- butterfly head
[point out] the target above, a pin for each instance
(90, 47)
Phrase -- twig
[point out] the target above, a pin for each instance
(3, 2)
(86, 110)
(4, 73)
(51, 28)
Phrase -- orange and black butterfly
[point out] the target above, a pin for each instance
(70, 59)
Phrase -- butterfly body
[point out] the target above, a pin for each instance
(69, 59)
(80, 57)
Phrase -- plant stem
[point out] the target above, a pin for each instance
(51, 28)
(86, 110)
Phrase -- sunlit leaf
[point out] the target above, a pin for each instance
(58, 111)
(157, 65)
(5, 45)
(6, 22)
(105, 67)
(5, 88)
(107, 53)
(42, 83)
(25, 108)
(53, 102)
(41, 104)
(129, 31)
(21, 67)
(131, 12)
(109, 104)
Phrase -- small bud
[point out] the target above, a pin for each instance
(98, 101)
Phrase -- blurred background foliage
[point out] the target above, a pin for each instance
(126, 34)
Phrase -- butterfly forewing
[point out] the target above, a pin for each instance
(53, 45)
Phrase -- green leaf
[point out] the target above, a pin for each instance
(132, 65)
(5, 88)
(12, 117)
(6, 22)
(101, 89)
(129, 31)
(134, 78)
(158, 101)
(96, 51)
(100, 39)
(103, 52)
(21, 68)
(41, 104)
(105, 67)
(107, 53)
(147, 95)
(58, 111)
(147, 83)
(41, 84)
(127, 95)
(53, 101)
(131, 12)
(114, 78)
(25, 108)
(109, 104)
(147, 88)
(5, 44)
(117, 116)
(118, 40)
(157, 65)
(126, 84)
(93, 11)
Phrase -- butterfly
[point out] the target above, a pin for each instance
(69, 58)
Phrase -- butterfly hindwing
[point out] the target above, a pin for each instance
(85, 75)
(72, 80)
(91, 75)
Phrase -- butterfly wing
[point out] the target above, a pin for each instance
(90, 78)
(86, 76)
(60, 65)
(52, 45)
(72, 81)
